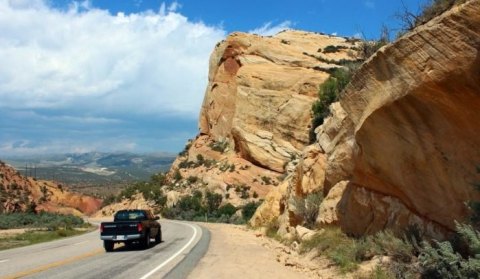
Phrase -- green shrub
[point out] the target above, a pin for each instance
(213, 201)
(336, 246)
(192, 179)
(219, 146)
(51, 221)
(333, 49)
(249, 209)
(328, 93)
(177, 175)
(440, 260)
(227, 210)
(271, 229)
(150, 191)
(267, 180)
(307, 208)
(109, 200)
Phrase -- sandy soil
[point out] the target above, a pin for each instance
(11, 232)
(236, 252)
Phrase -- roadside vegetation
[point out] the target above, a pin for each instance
(402, 255)
(38, 227)
(151, 191)
(207, 207)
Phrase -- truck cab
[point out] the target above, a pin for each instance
(129, 226)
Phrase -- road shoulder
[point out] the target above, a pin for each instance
(236, 252)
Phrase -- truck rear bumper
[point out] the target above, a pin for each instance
(121, 237)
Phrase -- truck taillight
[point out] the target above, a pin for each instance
(101, 228)
(139, 227)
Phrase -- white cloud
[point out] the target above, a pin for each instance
(86, 59)
(23, 148)
(269, 30)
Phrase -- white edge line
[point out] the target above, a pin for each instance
(174, 255)
(2, 261)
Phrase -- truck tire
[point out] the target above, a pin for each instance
(158, 237)
(108, 245)
(146, 241)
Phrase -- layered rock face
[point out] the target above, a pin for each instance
(261, 91)
(402, 146)
(257, 106)
(19, 193)
(415, 108)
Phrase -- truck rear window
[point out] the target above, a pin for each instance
(130, 216)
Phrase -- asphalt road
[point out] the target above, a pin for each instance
(84, 257)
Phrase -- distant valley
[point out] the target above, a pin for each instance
(96, 173)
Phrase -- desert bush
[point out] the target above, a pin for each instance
(219, 146)
(192, 179)
(207, 208)
(347, 252)
(307, 208)
(271, 230)
(333, 49)
(109, 200)
(177, 175)
(428, 11)
(440, 260)
(213, 201)
(51, 221)
(150, 191)
(249, 209)
(328, 93)
(337, 246)
(267, 180)
(226, 210)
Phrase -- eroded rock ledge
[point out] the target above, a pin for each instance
(402, 147)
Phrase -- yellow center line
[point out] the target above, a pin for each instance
(54, 264)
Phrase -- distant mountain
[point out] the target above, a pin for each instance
(93, 168)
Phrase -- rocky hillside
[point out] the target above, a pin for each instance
(402, 147)
(19, 193)
(256, 114)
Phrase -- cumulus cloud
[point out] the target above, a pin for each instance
(84, 69)
(268, 29)
(86, 58)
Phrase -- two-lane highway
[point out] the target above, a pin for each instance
(83, 256)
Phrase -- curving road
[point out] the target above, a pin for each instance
(83, 256)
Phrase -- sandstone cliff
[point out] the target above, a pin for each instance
(402, 147)
(19, 193)
(256, 114)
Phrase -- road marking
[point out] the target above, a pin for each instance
(174, 255)
(78, 243)
(54, 264)
(6, 260)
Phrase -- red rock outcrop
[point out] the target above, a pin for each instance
(18, 193)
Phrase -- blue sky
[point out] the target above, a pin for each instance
(130, 75)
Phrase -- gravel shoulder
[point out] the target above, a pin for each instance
(237, 252)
